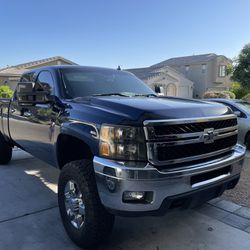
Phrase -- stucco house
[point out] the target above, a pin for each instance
(207, 71)
(165, 80)
(11, 75)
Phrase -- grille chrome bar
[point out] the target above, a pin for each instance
(195, 137)
(168, 149)
(187, 159)
(188, 120)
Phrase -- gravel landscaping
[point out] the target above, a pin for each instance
(241, 193)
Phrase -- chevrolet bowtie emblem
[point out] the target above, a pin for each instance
(209, 135)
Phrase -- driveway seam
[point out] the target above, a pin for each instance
(24, 215)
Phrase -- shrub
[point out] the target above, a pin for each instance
(219, 94)
(239, 90)
(5, 91)
(230, 93)
(246, 97)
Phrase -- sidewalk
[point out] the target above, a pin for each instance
(29, 218)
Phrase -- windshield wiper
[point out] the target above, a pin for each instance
(146, 95)
(110, 94)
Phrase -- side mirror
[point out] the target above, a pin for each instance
(27, 95)
(237, 113)
(24, 92)
(25, 87)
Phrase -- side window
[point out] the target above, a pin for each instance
(44, 81)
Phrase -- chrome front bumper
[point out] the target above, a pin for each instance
(114, 178)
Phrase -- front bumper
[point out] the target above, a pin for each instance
(114, 178)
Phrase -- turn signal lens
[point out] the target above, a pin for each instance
(122, 143)
(104, 149)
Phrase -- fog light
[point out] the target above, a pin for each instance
(111, 184)
(134, 195)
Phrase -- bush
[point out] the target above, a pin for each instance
(5, 91)
(246, 97)
(219, 94)
(230, 93)
(239, 90)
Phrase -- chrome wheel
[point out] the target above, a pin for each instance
(74, 205)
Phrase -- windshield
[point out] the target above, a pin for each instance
(245, 106)
(80, 82)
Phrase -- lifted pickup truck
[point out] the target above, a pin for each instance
(122, 149)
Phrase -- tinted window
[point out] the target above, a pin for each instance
(44, 81)
(86, 82)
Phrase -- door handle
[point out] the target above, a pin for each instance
(12, 110)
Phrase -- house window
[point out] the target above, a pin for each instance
(187, 68)
(203, 68)
(222, 70)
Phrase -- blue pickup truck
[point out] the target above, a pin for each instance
(121, 149)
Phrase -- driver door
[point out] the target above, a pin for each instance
(32, 125)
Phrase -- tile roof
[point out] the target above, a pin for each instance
(186, 60)
(42, 61)
(142, 73)
(20, 68)
(12, 71)
(145, 73)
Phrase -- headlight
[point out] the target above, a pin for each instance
(122, 143)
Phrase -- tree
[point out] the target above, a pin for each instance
(5, 91)
(239, 90)
(241, 71)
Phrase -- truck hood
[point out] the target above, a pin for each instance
(134, 110)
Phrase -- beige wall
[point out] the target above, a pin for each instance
(180, 86)
(208, 79)
(219, 82)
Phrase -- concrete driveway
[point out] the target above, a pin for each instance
(29, 218)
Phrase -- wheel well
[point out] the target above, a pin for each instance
(70, 148)
(246, 137)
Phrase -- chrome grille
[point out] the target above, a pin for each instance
(193, 127)
(184, 140)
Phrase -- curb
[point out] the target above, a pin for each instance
(227, 212)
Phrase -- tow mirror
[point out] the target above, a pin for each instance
(24, 92)
(27, 95)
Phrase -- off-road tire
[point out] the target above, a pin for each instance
(98, 222)
(5, 151)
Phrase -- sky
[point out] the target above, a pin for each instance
(130, 33)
